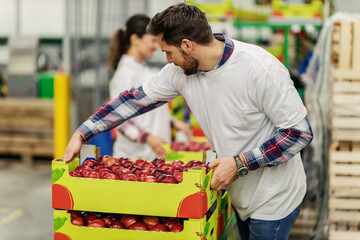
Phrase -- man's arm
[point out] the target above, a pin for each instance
(129, 104)
(284, 145)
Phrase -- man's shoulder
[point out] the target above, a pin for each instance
(254, 54)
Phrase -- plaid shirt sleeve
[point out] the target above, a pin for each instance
(127, 105)
(133, 132)
(285, 144)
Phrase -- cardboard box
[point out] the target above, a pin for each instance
(197, 229)
(189, 199)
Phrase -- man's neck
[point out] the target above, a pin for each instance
(210, 55)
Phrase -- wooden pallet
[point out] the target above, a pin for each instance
(346, 84)
(26, 127)
(344, 191)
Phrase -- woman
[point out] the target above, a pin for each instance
(144, 135)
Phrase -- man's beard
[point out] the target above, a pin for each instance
(190, 65)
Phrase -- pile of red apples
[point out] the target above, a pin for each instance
(126, 221)
(140, 170)
(190, 146)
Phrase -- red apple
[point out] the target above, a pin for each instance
(108, 162)
(91, 174)
(75, 174)
(117, 225)
(150, 221)
(176, 228)
(168, 170)
(176, 163)
(169, 222)
(89, 162)
(138, 226)
(150, 168)
(135, 169)
(97, 223)
(157, 172)
(114, 167)
(194, 163)
(111, 176)
(162, 166)
(130, 177)
(179, 177)
(78, 221)
(157, 161)
(139, 162)
(102, 158)
(122, 159)
(108, 221)
(104, 171)
(89, 217)
(97, 166)
(127, 163)
(167, 179)
(159, 228)
(150, 178)
(143, 173)
(185, 167)
(80, 169)
(123, 171)
(128, 220)
(74, 213)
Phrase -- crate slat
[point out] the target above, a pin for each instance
(356, 46)
(345, 169)
(344, 182)
(345, 41)
(344, 235)
(344, 216)
(346, 135)
(346, 122)
(344, 204)
(346, 74)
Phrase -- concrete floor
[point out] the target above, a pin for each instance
(25, 200)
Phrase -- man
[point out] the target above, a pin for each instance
(246, 104)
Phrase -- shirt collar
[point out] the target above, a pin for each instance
(228, 49)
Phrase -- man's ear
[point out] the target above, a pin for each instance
(187, 45)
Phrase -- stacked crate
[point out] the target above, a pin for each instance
(26, 127)
(191, 200)
(344, 171)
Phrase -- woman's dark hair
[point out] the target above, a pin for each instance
(120, 42)
(181, 21)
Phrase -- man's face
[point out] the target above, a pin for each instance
(179, 57)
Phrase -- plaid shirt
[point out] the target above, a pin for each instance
(278, 149)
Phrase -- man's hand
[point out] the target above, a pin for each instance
(184, 127)
(156, 144)
(224, 174)
(73, 148)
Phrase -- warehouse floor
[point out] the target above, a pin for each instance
(25, 200)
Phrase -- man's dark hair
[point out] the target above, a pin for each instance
(181, 21)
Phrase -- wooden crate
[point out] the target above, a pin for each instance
(346, 84)
(344, 191)
(26, 127)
